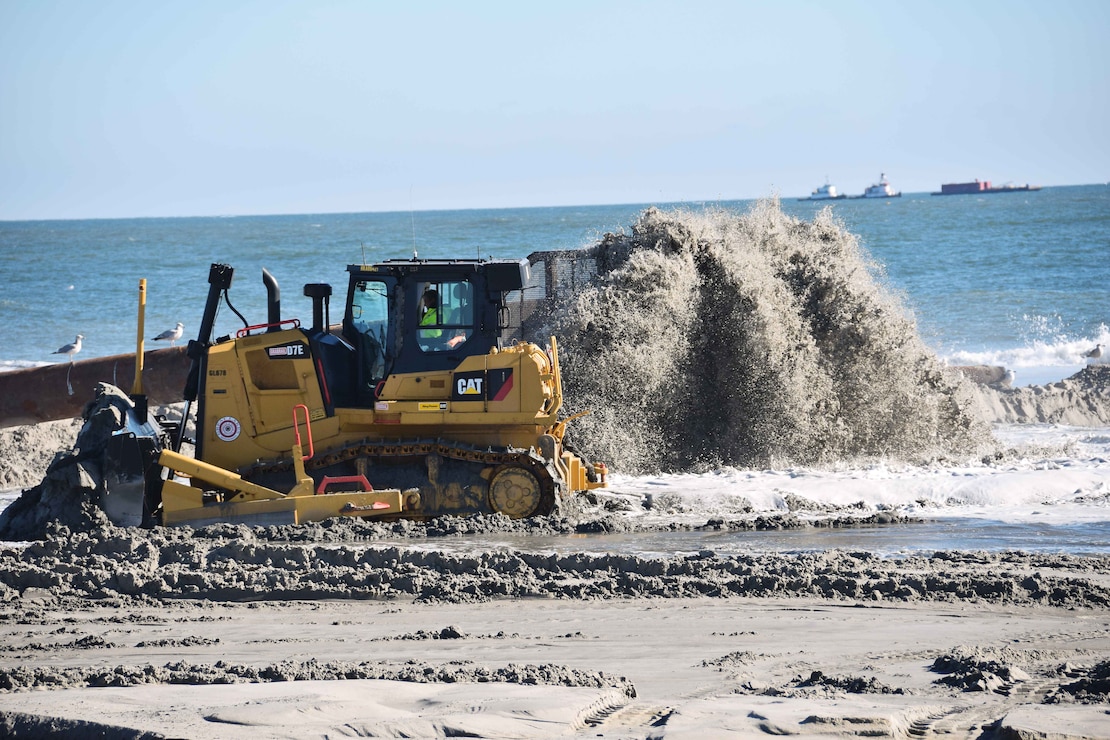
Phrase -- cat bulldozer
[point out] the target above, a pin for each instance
(414, 406)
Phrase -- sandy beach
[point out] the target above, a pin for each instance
(351, 628)
(179, 634)
(687, 667)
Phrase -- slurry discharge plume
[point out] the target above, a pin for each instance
(714, 338)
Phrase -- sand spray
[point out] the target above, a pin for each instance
(712, 338)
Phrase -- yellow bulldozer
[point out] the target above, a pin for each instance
(415, 406)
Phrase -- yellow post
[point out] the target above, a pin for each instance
(137, 386)
(557, 400)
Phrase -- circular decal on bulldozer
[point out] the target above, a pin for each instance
(227, 429)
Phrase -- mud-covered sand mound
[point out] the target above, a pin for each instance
(715, 338)
(973, 668)
(32, 677)
(72, 489)
(234, 564)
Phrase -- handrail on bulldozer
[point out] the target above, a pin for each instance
(246, 330)
(304, 486)
(308, 431)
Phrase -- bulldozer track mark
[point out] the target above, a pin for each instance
(596, 713)
(633, 715)
(971, 721)
(959, 721)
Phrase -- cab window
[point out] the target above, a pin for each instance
(445, 315)
(370, 315)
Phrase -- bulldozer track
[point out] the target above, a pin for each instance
(421, 449)
(417, 448)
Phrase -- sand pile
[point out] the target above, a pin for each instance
(1081, 400)
(26, 452)
(713, 338)
(974, 668)
(311, 670)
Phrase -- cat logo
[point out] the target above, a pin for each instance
(482, 385)
(469, 387)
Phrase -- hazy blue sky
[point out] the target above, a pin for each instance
(114, 109)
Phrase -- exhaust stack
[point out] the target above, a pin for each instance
(273, 301)
(320, 293)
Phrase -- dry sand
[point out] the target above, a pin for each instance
(231, 632)
(613, 668)
(324, 631)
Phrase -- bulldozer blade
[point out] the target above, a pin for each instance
(184, 505)
(132, 475)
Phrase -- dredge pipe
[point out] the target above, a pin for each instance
(38, 394)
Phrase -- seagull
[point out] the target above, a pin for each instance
(1095, 353)
(70, 349)
(172, 334)
(1008, 378)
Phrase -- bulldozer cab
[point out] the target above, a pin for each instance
(411, 316)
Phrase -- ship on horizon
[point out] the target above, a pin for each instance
(825, 192)
(881, 189)
(982, 186)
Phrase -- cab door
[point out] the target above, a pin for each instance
(369, 327)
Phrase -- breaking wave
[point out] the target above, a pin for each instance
(715, 338)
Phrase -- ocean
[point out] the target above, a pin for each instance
(1014, 279)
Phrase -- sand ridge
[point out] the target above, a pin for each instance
(227, 563)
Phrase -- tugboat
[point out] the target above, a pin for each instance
(825, 192)
(881, 189)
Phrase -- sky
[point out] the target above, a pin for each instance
(113, 109)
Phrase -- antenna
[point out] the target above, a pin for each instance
(412, 216)
(363, 245)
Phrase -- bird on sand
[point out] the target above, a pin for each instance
(172, 334)
(70, 349)
(1094, 354)
(1008, 378)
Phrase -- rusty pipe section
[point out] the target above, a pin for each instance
(39, 394)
